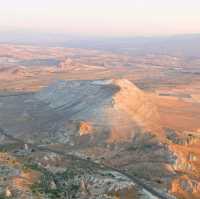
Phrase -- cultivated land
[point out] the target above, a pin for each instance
(80, 123)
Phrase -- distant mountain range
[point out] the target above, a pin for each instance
(179, 45)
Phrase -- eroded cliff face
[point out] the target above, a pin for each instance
(140, 106)
(185, 187)
(187, 166)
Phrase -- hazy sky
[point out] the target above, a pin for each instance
(101, 17)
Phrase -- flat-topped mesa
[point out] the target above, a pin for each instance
(114, 107)
(70, 65)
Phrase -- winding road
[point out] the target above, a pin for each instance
(146, 187)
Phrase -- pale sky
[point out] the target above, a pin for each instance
(101, 17)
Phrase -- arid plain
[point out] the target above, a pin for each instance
(84, 123)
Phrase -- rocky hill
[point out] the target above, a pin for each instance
(114, 110)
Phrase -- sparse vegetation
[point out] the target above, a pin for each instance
(57, 185)
(32, 166)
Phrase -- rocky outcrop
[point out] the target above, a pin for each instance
(85, 128)
(184, 187)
